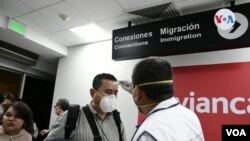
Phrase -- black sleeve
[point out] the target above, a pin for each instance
(34, 139)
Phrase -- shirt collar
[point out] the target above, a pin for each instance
(164, 104)
(92, 108)
(94, 111)
(61, 115)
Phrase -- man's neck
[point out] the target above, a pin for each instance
(148, 106)
(146, 110)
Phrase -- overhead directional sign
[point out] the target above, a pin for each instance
(219, 29)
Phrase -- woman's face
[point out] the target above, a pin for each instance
(12, 124)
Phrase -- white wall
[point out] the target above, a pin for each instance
(76, 71)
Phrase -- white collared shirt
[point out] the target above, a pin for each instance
(170, 122)
(58, 118)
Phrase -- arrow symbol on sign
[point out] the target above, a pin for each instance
(235, 27)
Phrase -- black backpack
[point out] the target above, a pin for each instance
(72, 117)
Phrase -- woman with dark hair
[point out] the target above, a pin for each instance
(17, 123)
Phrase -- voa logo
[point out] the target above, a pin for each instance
(236, 132)
(224, 19)
(230, 25)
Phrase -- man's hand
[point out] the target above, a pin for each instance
(44, 132)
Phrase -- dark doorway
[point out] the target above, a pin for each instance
(38, 94)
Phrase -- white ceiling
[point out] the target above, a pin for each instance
(42, 16)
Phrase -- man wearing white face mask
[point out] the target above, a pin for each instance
(153, 94)
(99, 120)
(108, 102)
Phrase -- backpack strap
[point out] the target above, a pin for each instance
(72, 116)
(92, 123)
(118, 121)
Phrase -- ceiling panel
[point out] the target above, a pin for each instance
(18, 40)
(97, 10)
(66, 38)
(137, 4)
(117, 23)
(36, 4)
(54, 11)
(13, 8)
(39, 23)
(194, 6)
(241, 1)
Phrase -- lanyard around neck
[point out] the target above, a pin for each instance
(157, 110)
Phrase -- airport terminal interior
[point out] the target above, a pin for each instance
(52, 49)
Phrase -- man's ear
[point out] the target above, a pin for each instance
(138, 93)
(92, 92)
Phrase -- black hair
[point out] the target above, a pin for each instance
(63, 103)
(154, 69)
(6, 95)
(23, 112)
(97, 81)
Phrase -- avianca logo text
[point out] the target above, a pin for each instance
(206, 105)
(224, 19)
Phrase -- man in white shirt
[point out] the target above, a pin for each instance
(165, 119)
(61, 106)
